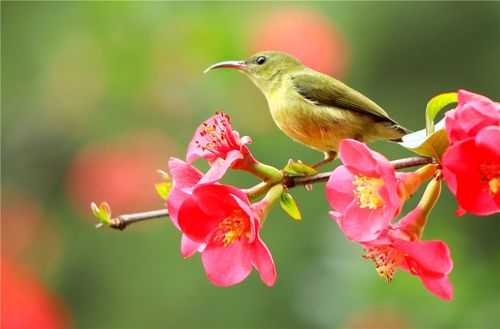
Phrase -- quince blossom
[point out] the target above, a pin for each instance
(473, 113)
(399, 246)
(219, 222)
(217, 142)
(471, 169)
(363, 192)
(221, 218)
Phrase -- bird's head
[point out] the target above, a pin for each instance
(266, 69)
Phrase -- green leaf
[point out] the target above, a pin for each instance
(288, 204)
(102, 212)
(163, 189)
(434, 106)
(433, 145)
(296, 168)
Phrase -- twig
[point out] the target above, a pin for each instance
(122, 221)
(323, 177)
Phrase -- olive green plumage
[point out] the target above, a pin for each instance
(313, 108)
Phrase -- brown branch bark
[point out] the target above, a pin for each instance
(323, 177)
(123, 221)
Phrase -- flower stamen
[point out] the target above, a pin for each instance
(367, 191)
(494, 185)
(386, 260)
(215, 137)
(491, 174)
(232, 228)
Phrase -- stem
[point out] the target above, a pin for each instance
(415, 221)
(264, 205)
(255, 191)
(122, 221)
(265, 172)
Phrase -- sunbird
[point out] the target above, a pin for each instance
(313, 108)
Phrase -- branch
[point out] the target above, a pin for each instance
(323, 177)
(122, 221)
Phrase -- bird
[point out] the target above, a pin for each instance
(313, 108)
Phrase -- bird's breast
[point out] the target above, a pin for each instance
(317, 127)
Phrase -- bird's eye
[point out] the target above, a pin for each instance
(260, 60)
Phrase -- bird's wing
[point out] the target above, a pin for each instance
(326, 91)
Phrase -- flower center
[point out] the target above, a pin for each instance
(494, 185)
(232, 228)
(215, 137)
(386, 260)
(491, 174)
(366, 191)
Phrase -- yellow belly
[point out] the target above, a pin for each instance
(320, 128)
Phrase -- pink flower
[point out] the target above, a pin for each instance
(429, 260)
(363, 192)
(185, 177)
(473, 113)
(217, 142)
(399, 246)
(471, 168)
(221, 218)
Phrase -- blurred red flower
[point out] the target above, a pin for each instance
(27, 234)
(307, 35)
(26, 302)
(21, 223)
(121, 172)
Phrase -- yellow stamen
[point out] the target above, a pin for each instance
(494, 185)
(386, 260)
(366, 191)
(232, 228)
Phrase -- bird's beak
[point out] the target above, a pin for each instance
(239, 65)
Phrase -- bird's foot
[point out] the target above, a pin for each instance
(329, 157)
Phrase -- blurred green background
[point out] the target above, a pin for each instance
(97, 96)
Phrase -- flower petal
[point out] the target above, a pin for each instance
(196, 223)
(358, 158)
(189, 247)
(438, 285)
(183, 174)
(363, 224)
(433, 256)
(174, 202)
(488, 142)
(220, 166)
(473, 113)
(216, 199)
(263, 262)
(227, 266)
(339, 189)
(461, 170)
(244, 205)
